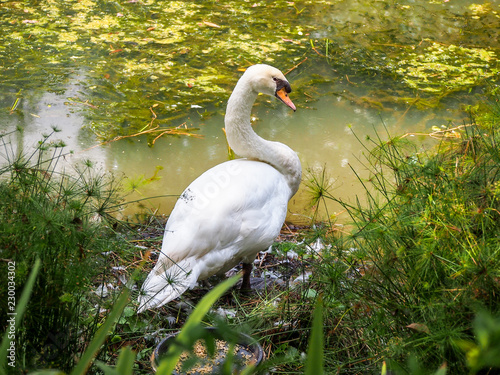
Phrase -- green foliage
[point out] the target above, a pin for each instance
(422, 259)
(315, 353)
(101, 334)
(190, 333)
(124, 365)
(192, 329)
(481, 355)
(57, 218)
(18, 314)
(485, 352)
(134, 184)
(126, 358)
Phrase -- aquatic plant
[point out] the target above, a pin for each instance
(423, 256)
(443, 69)
(151, 66)
(59, 218)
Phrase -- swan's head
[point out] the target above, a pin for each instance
(268, 80)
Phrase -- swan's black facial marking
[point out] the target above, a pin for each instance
(282, 84)
(282, 90)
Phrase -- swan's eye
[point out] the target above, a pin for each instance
(275, 79)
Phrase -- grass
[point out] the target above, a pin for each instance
(424, 256)
(63, 219)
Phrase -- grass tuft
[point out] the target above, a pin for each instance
(423, 258)
(56, 217)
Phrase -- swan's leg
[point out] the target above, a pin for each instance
(245, 282)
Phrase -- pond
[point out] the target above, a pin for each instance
(140, 87)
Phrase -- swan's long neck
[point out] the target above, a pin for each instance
(246, 143)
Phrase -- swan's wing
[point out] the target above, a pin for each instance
(226, 215)
(165, 283)
(241, 202)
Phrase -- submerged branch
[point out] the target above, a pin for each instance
(440, 134)
(162, 131)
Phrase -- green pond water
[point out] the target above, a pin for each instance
(115, 77)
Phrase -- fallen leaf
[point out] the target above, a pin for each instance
(291, 41)
(419, 327)
(211, 24)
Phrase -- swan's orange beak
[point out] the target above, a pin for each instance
(282, 95)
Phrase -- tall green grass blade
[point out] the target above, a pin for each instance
(442, 370)
(124, 365)
(384, 368)
(126, 360)
(191, 326)
(248, 370)
(18, 314)
(315, 357)
(100, 336)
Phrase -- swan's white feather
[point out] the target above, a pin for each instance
(235, 209)
(226, 216)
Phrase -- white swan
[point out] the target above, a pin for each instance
(233, 210)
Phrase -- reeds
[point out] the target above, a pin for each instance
(57, 217)
(423, 258)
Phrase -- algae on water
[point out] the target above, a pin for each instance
(130, 57)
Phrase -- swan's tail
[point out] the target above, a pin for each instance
(165, 283)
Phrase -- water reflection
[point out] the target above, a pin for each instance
(129, 69)
(322, 136)
(40, 114)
